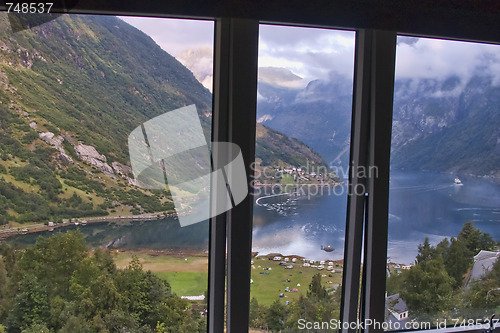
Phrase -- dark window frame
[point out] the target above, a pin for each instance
(377, 24)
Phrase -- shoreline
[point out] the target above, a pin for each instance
(83, 221)
(7, 231)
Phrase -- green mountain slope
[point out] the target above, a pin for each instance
(71, 92)
(459, 134)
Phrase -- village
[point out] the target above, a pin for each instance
(287, 175)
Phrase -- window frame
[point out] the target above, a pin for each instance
(377, 23)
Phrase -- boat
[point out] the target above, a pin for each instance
(457, 181)
(327, 248)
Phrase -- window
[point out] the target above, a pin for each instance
(91, 109)
(235, 79)
(301, 171)
(444, 195)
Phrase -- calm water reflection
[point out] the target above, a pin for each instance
(421, 205)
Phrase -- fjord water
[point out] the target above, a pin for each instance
(432, 205)
(421, 205)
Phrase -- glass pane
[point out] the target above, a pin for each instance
(301, 171)
(445, 186)
(103, 212)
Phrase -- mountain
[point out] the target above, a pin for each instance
(73, 89)
(318, 113)
(447, 125)
(277, 149)
(280, 77)
(450, 124)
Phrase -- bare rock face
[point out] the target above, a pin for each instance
(90, 155)
(85, 152)
(64, 158)
(124, 171)
(69, 138)
(56, 142)
(121, 169)
(26, 60)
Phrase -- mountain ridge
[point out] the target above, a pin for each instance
(446, 125)
(73, 90)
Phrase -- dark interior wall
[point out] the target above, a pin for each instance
(460, 19)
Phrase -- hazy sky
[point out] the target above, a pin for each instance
(309, 53)
(434, 59)
(175, 35)
(312, 53)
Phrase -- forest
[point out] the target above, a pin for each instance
(436, 287)
(60, 285)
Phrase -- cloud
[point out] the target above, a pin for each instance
(312, 53)
(308, 52)
(426, 58)
(175, 35)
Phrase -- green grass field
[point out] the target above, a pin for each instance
(267, 287)
(190, 277)
(186, 277)
(186, 283)
(287, 179)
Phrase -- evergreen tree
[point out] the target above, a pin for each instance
(316, 289)
(442, 248)
(303, 308)
(95, 297)
(31, 305)
(276, 317)
(457, 261)
(394, 283)
(475, 239)
(426, 252)
(53, 260)
(427, 288)
(257, 314)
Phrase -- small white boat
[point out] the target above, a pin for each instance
(457, 181)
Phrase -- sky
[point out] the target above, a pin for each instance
(426, 58)
(313, 53)
(175, 35)
(308, 53)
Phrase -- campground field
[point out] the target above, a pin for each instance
(188, 274)
(269, 284)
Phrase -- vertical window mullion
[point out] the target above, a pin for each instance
(369, 178)
(381, 106)
(220, 132)
(356, 198)
(242, 78)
